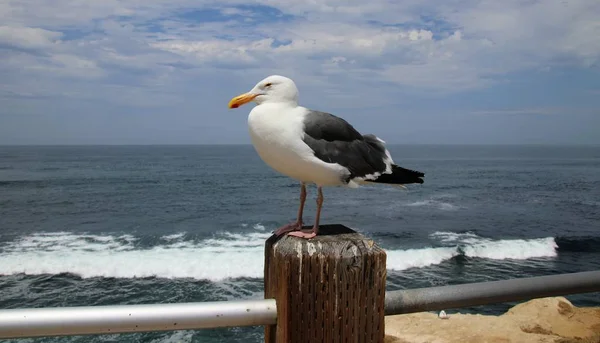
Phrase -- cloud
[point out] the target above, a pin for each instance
(28, 37)
(464, 45)
(343, 54)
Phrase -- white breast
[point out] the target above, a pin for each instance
(276, 133)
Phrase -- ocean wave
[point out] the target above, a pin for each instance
(442, 205)
(470, 244)
(578, 244)
(23, 183)
(473, 246)
(73, 181)
(175, 337)
(418, 258)
(227, 255)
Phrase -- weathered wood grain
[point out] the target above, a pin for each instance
(328, 289)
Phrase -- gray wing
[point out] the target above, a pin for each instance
(334, 140)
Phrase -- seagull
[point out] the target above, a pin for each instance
(314, 147)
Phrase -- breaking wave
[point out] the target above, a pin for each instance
(471, 245)
(224, 256)
(442, 205)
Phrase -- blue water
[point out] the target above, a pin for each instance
(161, 224)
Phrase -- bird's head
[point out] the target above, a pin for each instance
(274, 88)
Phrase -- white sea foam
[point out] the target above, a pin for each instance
(176, 337)
(445, 206)
(173, 237)
(229, 255)
(258, 226)
(473, 245)
(225, 256)
(519, 249)
(411, 258)
(454, 237)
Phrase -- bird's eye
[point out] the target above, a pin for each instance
(268, 84)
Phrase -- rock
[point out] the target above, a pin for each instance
(546, 320)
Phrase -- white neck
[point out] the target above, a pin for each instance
(282, 102)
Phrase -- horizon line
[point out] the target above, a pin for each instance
(249, 144)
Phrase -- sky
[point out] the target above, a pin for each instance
(411, 71)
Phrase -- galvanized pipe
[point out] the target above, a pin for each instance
(66, 321)
(481, 293)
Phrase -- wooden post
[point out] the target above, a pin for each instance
(328, 289)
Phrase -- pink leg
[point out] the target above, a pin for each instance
(315, 230)
(297, 225)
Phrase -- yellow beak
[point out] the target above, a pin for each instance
(241, 100)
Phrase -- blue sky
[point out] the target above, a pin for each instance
(414, 71)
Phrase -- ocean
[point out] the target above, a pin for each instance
(105, 225)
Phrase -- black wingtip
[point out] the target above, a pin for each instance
(401, 176)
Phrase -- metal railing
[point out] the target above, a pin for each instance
(66, 321)
(490, 292)
(85, 320)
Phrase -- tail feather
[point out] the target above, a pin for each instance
(400, 176)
